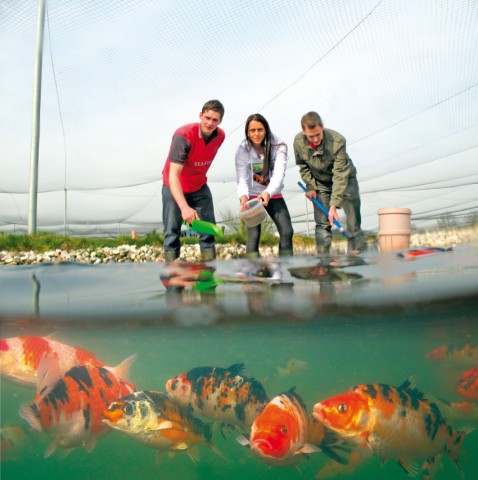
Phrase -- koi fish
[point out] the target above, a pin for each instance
(70, 407)
(20, 357)
(392, 423)
(279, 434)
(220, 394)
(467, 386)
(14, 439)
(293, 365)
(454, 355)
(158, 421)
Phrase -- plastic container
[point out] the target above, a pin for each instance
(394, 229)
(255, 214)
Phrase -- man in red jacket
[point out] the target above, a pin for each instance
(186, 195)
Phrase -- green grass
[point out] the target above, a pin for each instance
(43, 242)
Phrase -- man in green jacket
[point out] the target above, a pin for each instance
(330, 176)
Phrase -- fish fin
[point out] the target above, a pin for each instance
(159, 457)
(339, 453)
(193, 454)
(365, 449)
(48, 375)
(217, 451)
(162, 426)
(226, 427)
(412, 469)
(90, 445)
(122, 370)
(50, 449)
(29, 413)
(307, 448)
(179, 446)
(243, 440)
(65, 452)
(236, 368)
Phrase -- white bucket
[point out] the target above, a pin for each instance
(254, 214)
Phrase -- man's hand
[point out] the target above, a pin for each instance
(189, 214)
(311, 194)
(333, 214)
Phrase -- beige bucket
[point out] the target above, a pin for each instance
(254, 213)
(394, 229)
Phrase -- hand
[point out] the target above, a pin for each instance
(311, 194)
(264, 197)
(242, 203)
(333, 214)
(189, 214)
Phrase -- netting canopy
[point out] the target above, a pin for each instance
(398, 78)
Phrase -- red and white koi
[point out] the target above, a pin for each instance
(70, 407)
(279, 435)
(454, 355)
(20, 357)
(467, 386)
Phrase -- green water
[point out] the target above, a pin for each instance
(337, 352)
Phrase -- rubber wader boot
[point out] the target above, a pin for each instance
(170, 256)
(208, 254)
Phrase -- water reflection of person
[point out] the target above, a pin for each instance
(324, 274)
(177, 276)
(329, 278)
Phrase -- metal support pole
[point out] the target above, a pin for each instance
(35, 142)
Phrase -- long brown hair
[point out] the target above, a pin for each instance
(266, 143)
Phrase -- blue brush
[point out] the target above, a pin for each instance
(318, 204)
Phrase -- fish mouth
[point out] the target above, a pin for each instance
(261, 444)
(112, 416)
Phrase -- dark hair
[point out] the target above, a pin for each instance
(311, 120)
(215, 106)
(266, 143)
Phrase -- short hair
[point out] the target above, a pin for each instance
(215, 106)
(311, 120)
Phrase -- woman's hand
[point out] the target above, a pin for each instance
(242, 203)
(264, 197)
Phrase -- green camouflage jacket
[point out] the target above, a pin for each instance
(329, 166)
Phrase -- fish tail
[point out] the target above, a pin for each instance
(454, 445)
(208, 430)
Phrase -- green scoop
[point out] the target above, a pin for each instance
(209, 228)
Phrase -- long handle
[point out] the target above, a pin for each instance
(318, 204)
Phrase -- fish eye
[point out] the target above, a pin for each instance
(342, 408)
(283, 430)
(128, 409)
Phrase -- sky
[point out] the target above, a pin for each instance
(398, 78)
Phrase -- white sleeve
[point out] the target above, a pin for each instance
(242, 171)
(280, 164)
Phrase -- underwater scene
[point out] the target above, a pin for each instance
(293, 368)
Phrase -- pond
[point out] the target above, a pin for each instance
(318, 326)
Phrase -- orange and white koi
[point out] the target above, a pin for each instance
(220, 394)
(465, 355)
(467, 386)
(391, 423)
(70, 407)
(158, 421)
(279, 435)
(20, 357)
